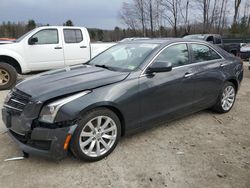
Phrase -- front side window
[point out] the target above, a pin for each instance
(176, 54)
(72, 35)
(47, 36)
(203, 53)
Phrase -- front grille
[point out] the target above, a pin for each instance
(17, 101)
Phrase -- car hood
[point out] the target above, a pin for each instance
(60, 82)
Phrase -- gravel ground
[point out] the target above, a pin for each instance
(201, 150)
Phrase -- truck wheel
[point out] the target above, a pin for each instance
(8, 76)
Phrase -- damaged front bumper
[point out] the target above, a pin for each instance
(44, 142)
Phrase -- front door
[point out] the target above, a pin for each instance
(169, 94)
(47, 52)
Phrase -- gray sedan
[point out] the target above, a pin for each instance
(128, 88)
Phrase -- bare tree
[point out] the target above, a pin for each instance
(171, 13)
(184, 11)
(133, 13)
(236, 10)
(128, 16)
(139, 4)
(221, 15)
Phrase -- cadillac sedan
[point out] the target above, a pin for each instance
(87, 108)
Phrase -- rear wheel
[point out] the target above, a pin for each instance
(8, 76)
(226, 99)
(97, 135)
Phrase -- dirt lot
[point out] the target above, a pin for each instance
(201, 150)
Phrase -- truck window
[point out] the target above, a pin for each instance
(203, 53)
(47, 36)
(210, 39)
(217, 41)
(72, 35)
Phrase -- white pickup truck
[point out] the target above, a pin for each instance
(46, 48)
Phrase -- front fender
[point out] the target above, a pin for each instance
(74, 109)
(16, 56)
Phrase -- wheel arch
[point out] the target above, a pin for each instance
(111, 106)
(234, 81)
(11, 61)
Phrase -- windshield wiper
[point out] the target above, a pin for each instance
(105, 67)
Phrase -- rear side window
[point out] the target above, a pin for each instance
(176, 54)
(46, 36)
(203, 53)
(72, 35)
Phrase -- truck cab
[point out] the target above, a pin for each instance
(45, 48)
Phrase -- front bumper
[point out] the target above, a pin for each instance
(48, 143)
(41, 141)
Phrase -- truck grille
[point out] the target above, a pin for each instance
(17, 100)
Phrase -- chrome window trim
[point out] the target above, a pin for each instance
(175, 43)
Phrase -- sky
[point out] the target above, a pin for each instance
(102, 14)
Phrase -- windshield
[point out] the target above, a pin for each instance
(198, 37)
(23, 36)
(123, 57)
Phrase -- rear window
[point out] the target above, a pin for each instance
(72, 35)
(203, 53)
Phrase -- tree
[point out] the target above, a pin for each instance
(236, 10)
(128, 16)
(31, 25)
(185, 16)
(100, 35)
(68, 23)
(172, 11)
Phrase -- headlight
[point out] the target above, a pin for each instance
(49, 112)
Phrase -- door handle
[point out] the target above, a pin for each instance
(83, 46)
(58, 47)
(187, 75)
(223, 65)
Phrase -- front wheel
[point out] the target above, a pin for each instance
(226, 99)
(8, 76)
(97, 135)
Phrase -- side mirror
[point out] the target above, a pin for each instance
(33, 40)
(160, 66)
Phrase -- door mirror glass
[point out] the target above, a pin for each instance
(160, 66)
(33, 40)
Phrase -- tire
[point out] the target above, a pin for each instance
(87, 137)
(8, 76)
(225, 102)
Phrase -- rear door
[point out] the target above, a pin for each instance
(76, 46)
(207, 74)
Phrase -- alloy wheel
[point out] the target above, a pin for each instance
(4, 77)
(98, 136)
(228, 97)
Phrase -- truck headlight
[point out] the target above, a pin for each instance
(49, 112)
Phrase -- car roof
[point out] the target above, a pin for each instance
(162, 41)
